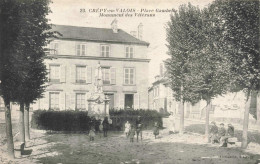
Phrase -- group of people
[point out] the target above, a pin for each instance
(131, 129)
(102, 128)
(220, 134)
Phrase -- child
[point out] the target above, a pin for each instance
(92, 134)
(132, 133)
(127, 128)
(156, 129)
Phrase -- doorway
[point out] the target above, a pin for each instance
(129, 101)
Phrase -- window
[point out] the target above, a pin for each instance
(54, 100)
(80, 101)
(129, 76)
(156, 91)
(129, 52)
(106, 75)
(105, 50)
(81, 74)
(109, 75)
(54, 48)
(81, 49)
(54, 73)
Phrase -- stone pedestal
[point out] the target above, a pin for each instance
(98, 105)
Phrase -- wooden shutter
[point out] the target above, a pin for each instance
(113, 75)
(67, 101)
(136, 101)
(63, 73)
(46, 101)
(88, 74)
(73, 100)
(73, 73)
(62, 100)
(48, 71)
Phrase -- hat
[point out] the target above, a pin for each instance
(221, 124)
(229, 124)
(213, 122)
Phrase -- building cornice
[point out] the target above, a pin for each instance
(99, 58)
(105, 41)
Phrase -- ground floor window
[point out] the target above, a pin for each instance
(80, 101)
(54, 100)
(129, 101)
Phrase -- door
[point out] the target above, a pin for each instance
(111, 100)
(129, 101)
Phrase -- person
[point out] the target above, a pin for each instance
(132, 133)
(127, 128)
(138, 126)
(92, 133)
(156, 130)
(100, 128)
(105, 126)
(229, 134)
(172, 123)
(213, 133)
(221, 135)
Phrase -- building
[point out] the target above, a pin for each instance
(76, 54)
(161, 97)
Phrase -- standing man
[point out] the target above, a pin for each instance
(138, 126)
(213, 136)
(105, 126)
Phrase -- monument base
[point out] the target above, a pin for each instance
(98, 105)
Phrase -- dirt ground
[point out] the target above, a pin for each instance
(116, 148)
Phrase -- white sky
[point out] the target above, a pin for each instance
(67, 12)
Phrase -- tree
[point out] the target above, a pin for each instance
(25, 31)
(178, 66)
(240, 21)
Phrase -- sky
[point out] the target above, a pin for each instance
(67, 12)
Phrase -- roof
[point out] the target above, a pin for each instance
(96, 34)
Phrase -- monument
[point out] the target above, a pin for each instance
(98, 103)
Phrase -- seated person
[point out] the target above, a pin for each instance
(229, 134)
(221, 134)
(213, 133)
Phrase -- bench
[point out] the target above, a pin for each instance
(233, 142)
(19, 147)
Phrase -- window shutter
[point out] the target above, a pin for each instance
(136, 101)
(56, 47)
(63, 74)
(51, 48)
(72, 101)
(46, 101)
(48, 71)
(62, 96)
(67, 102)
(73, 73)
(113, 75)
(88, 74)
(134, 76)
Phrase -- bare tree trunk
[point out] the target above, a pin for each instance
(258, 110)
(21, 123)
(27, 121)
(245, 123)
(181, 130)
(9, 133)
(207, 119)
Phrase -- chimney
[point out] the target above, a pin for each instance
(133, 33)
(114, 26)
(140, 31)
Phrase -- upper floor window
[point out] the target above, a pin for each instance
(129, 52)
(54, 47)
(105, 50)
(156, 91)
(109, 75)
(81, 74)
(81, 49)
(54, 73)
(129, 76)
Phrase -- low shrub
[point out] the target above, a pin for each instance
(74, 121)
(62, 120)
(148, 118)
